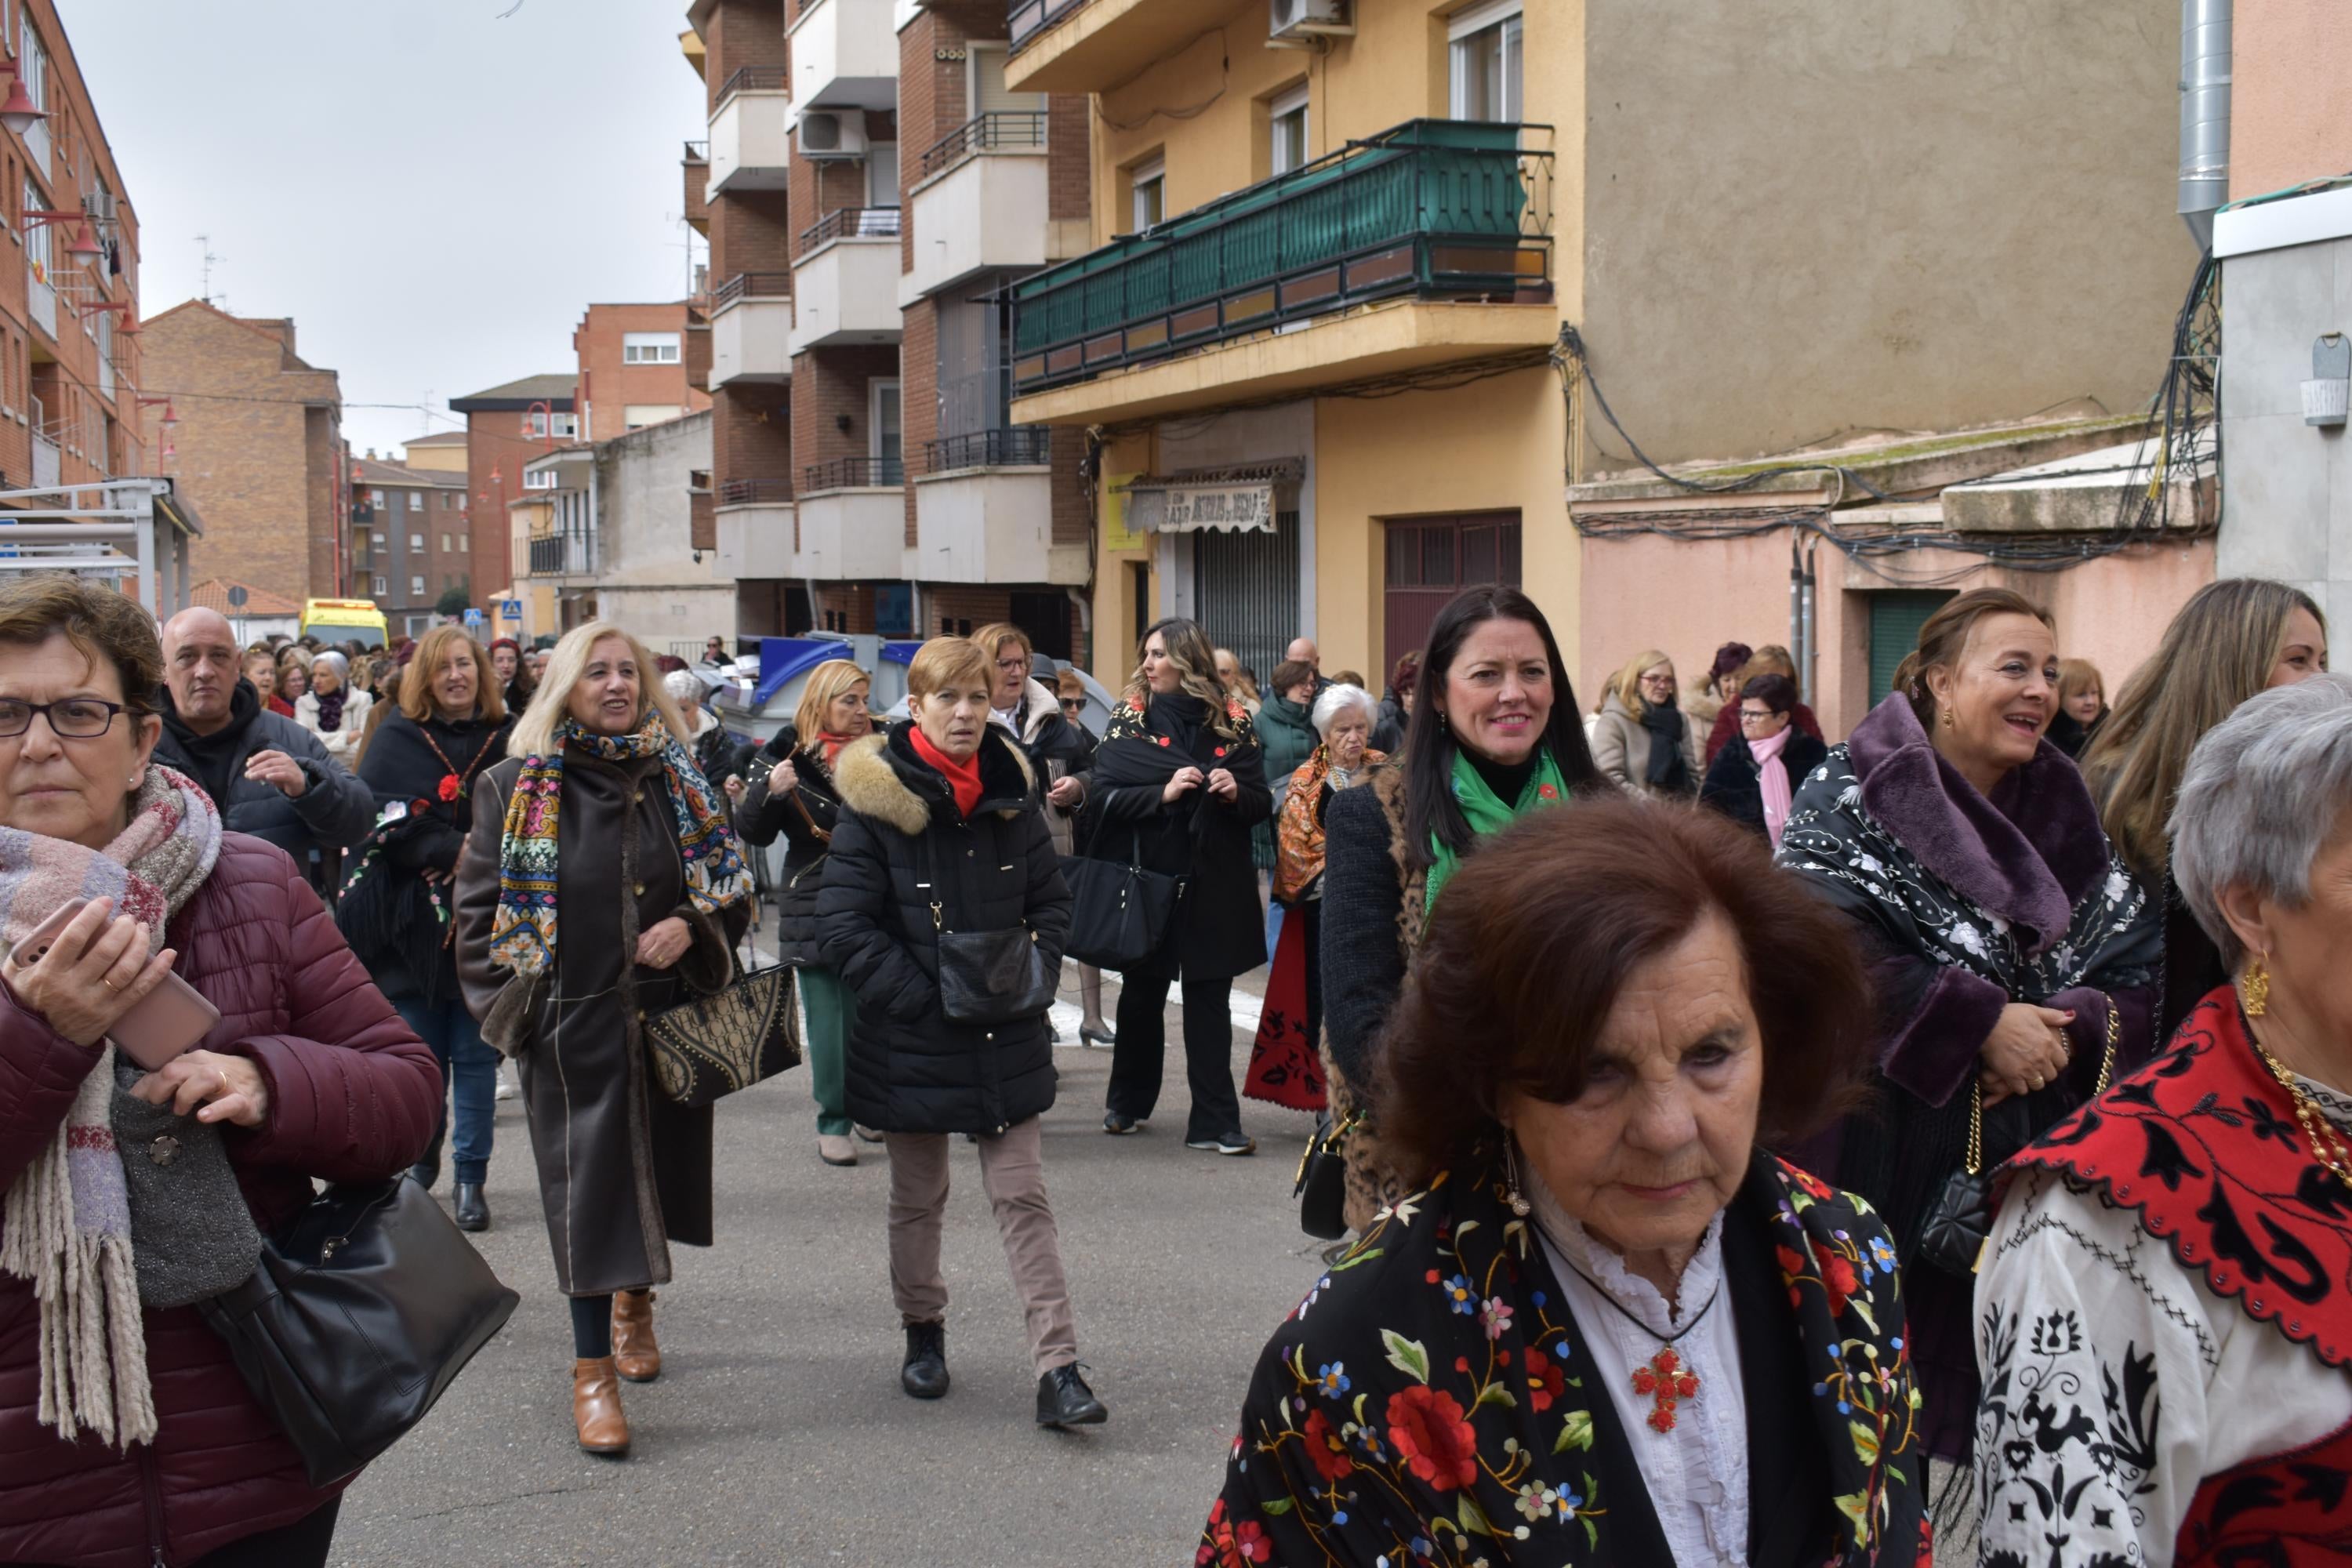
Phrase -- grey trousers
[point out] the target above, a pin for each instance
(1013, 1177)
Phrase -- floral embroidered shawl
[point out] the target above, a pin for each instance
(1432, 1401)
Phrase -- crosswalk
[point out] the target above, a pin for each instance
(1067, 1014)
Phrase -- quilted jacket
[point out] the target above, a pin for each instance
(352, 1096)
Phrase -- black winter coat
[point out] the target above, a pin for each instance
(1732, 785)
(333, 811)
(900, 844)
(402, 766)
(804, 817)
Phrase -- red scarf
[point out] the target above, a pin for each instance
(962, 777)
(828, 745)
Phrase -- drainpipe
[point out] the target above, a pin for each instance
(2204, 114)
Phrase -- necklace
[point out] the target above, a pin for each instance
(454, 785)
(2327, 1145)
(1662, 1379)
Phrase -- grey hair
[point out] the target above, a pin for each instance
(2261, 793)
(1337, 699)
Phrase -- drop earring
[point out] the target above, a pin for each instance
(1512, 1195)
(2256, 996)
(1949, 722)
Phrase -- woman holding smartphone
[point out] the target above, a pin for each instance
(126, 1432)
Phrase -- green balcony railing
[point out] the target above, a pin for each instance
(1437, 209)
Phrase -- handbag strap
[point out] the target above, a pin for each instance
(1975, 1090)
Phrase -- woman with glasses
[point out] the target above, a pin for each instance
(1755, 778)
(1641, 742)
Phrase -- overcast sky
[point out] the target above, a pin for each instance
(431, 190)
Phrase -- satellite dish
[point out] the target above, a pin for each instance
(236, 598)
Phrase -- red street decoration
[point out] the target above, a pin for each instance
(1665, 1379)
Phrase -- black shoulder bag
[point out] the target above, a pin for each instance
(1119, 913)
(986, 976)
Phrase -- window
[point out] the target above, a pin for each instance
(539, 478)
(648, 348)
(882, 174)
(1286, 131)
(885, 429)
(416, 545)
(1486, 62)
(1149, 184)
(375, 499)
(540, 424)
(465, 545)
(375, 536)
(38, 238)
(380, 589)
(416, 587)
(445, 542)
(416, 501)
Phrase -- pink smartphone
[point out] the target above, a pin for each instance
(165, 1024)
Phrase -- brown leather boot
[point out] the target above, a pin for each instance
(633, 1349)
(596, 1407)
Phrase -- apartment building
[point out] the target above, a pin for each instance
(412, 538)
(632, 369)
(444, 450)
(868, 187)
(257, 446)
(506, 426)
(1322, 332)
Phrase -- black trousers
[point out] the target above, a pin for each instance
(1136, 1059)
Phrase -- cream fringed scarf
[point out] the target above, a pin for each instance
(66, 1224)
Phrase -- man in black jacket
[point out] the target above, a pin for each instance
(270, 777)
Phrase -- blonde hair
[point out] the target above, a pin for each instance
(416, 697)
(534, 733)
(826, 683)
(1195, 658)
(2076, 676)
(997, 634)
(1626, 684)
(945, 659)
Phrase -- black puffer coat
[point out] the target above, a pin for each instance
(402, 767)
(1734, 786)
(911, 1070)
(804, 817)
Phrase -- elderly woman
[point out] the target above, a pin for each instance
(2013, 956)
(1609, 1328)
(2163, 1318)
(1497, 737)
(332, 710)
(601, 883)
(126, 1433)
(939, 835)
(1754, 780)
(1644, 743)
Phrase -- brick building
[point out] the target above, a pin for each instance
(259, 449)
(412, 538)
(867, 184)
(506, 426)
(632, 369)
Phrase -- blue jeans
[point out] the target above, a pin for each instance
(471, 1066)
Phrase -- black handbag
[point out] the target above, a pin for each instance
(1119, 913)
(987, 976)
(357, 1319)
(1321, 1187)
(745, 1032)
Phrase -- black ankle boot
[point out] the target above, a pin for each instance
(925, 1375)
(468, 1207)
(1065, 1400)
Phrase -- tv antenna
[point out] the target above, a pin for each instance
(205, 290)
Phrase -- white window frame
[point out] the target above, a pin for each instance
(651, 348)
(539, 478)
(416, 545)
(416, 585)
(1154, 172)
(416, 501)
(465, 544)
(874, 391)
(445, 542)
(381, 590)
(1461, 27)
(1282, 108)
(538, 425)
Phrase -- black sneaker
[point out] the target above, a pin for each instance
(1065, 1400)
(925, 1375)
(1223, 1143)
(1118, 1125)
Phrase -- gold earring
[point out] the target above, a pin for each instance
(2256, 996)
(1513, 1196)
(1949, 722)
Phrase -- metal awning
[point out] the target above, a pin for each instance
(1234, 500)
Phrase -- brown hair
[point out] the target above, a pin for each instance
(1944, 637)
(103, 625)
(1525, 955)
(1291, 672)
(1772, 658)
(944, 660)
(1069, 683)
(416, 697)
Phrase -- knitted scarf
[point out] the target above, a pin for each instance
(523, 931)
(67, 1223)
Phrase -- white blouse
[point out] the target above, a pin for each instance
(2103, 1358)
(1697, 1473)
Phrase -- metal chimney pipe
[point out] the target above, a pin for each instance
(2204, 114)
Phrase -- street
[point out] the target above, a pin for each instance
(778, 1434)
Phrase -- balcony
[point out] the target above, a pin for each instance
(1087, 46)
(696, 165)
(853, 473)
(751, 329)
(749, 145)
(845, 282)
(755, 525)
(844, 54)
(1448, 222)
(853, 519)
(1018, 446)
(563, 555)
(983, 512)
(980, 204)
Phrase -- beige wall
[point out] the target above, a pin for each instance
(2290, 61)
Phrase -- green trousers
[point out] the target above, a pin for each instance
(832, 1013)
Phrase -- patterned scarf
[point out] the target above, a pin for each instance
(68, 1217)
(523, 932)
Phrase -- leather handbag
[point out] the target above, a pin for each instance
(357, 1319)
(1119, 913)
(708, 1046)
(987, 976)
(1321, 1187)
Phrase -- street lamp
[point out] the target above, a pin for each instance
(83, 246)
(19, 113)
(169, 418)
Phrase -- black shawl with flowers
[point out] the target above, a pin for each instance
(1432, 1402)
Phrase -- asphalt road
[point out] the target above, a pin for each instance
(777, 1434)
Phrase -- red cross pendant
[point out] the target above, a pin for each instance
(1667, 1380)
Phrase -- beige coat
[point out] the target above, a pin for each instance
(1621, 747)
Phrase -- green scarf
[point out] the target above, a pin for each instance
(1486, 812)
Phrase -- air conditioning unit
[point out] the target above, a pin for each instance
(99, 205)
(829, 134)
(1299, 20)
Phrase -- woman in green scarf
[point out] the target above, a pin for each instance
(1501, 738)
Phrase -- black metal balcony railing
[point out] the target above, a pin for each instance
(851, 223)
(754, 492)
(999, 128)
(697, 153)
(1436, 210)
(1029, 18)
(756, 79)
(1011, 447)
(854, 473)
(547, 557)
(752, 286)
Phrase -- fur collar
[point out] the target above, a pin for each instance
(882, 780)
(1036, 708)
(2030, 856)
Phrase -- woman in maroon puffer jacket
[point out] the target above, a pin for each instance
(308, 1074)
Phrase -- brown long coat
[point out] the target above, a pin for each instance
(623, 1171)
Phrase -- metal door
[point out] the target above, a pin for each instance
(1895, 617)
(1246, 588)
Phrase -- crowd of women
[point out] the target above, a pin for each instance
(1758, 1149)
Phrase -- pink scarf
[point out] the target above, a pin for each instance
(1772, 780)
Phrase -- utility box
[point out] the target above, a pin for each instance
(2327, 396)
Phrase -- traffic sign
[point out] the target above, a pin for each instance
(509, 609)
(473, 617)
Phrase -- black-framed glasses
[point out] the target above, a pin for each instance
(1750, 716)
(70, 718)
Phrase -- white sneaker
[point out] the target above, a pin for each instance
(508, 1087)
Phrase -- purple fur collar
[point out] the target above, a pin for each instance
(2029, 855)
